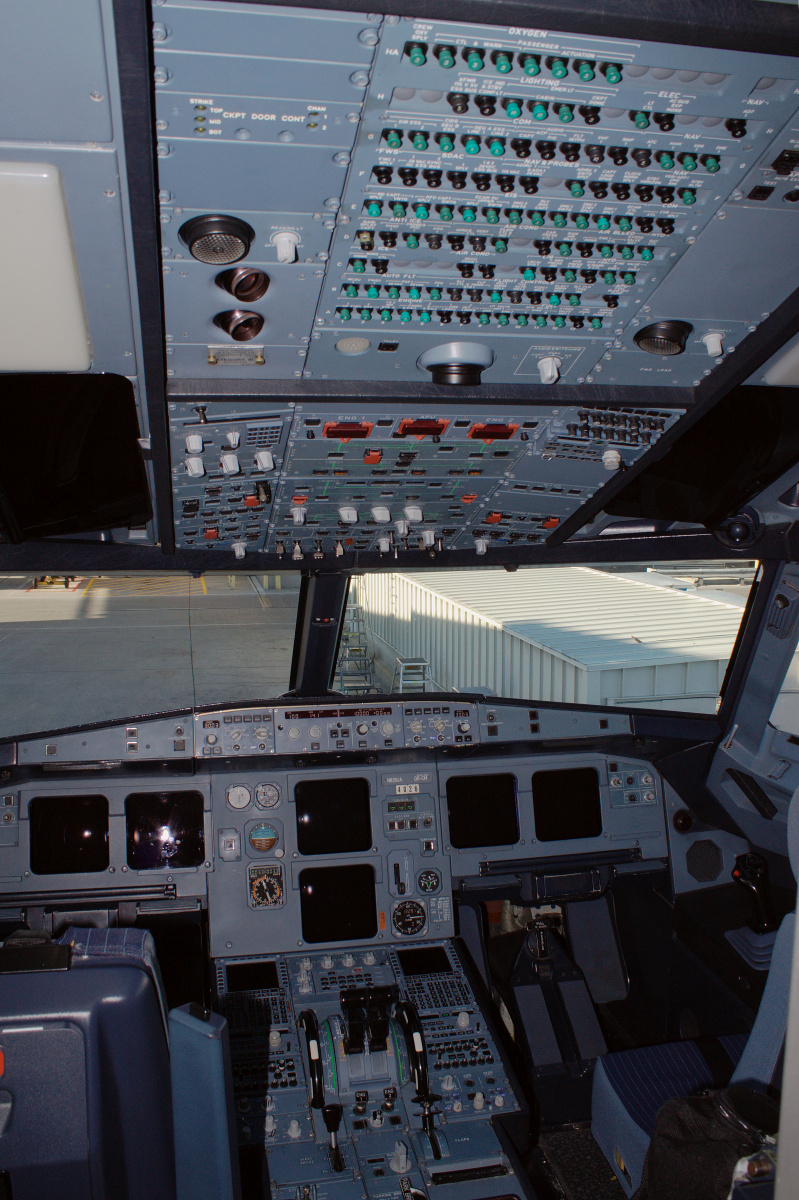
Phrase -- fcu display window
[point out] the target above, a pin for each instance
(566, 805)
(164, 830)
(337, 904)
(68, 834)
(482, 811)
(333, 816)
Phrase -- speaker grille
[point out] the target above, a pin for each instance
(218, 248)
(704, 861)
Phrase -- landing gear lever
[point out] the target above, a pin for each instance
(751, 871)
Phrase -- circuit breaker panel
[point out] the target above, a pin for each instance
(368, 197)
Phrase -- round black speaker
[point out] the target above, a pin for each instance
(663, 337)
(217, 240)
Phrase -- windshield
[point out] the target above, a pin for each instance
(80, 649)
(652, 636)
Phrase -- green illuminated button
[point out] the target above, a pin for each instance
(586, 72)
(666, 160)
(528, 273)
(687, 196)
(435, 293)
(374, 208)
(445, 58)
(424, 317)
(411, 241)
(419, 141)
(559, 220)
(539, 111)
(564, 249)
(422, 212)
(474, 61)
(596, 322)
(559, 68)
(513, 109)
(581, 221)
(626, 252)
(576, 189)
(446, 144)
(537, 218)
(385, 314)
(712, 164)
(540, 322)
(500, 245)
(393, 293)
(688, 162)
(554, 299)
(468, 214)
(625, 224)
(345, 314)
(471, 145)
(609, 278)
(503, 318)
(373, 292)
(647, 254)
(606, 251)
(393, 139)
(483, 318)
(495, 297)
(628, 278)
(492, 216)
(530, 65)
(521, 319)
(565, 114)
(405, 316)
(358, 266)
(570, 276)
(559, 321)
(603, 222)
(496, 148)
(414, 293)
(398, 210)
(445, 212)
(613, 73)
(573, 299)
(641, 120)
(515, 217)
(503, 63)
(366, 314)
(351, 290)
(417, 55)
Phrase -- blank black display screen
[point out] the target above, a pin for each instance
(251, 977)
(566, 805)
(164, 830)
(482, 810)
(333, 816)
(337, 904)
(69, 834)
(424, 960)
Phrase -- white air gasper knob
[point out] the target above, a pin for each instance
(230, 463)
(611, 460)
(413, 512)
(195, 467)
(400, 1161)
(233, 438)
(429, 537)
(294, 1130)
(286, 242)
(264, 460)
(239, 549)
(480, 545)
(298, 514)
(381, 514)
(401, 527)
(348, 514)
(549, 369)
(713, 342)
(194, 443)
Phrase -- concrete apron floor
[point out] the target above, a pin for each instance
(117, 646)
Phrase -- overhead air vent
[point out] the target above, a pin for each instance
(217, 240)
(665, 338)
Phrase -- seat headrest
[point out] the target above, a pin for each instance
(793, 834)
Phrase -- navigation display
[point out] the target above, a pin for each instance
(482, 810)
(337, 904)
(566, 804)
(333, 816)
(164, 830)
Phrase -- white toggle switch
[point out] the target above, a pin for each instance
(463, 1020)
(327, 961)
(713, 341)
(230, 464)
(239, 549)
(429, 537)
(264, 460)
(369, 959)
(194, 443)
(384, 545)
(479, 1101)
(480, 545)
(195, 467)
(269, 1125)
(381, 514)
(305, 964)
(286, 243)
(549, 369)
(348, 514)
(297, 553)
(400, 1161)
(401, 527)
(294, 1129)
(339, 549)
(298, 514)
(233, 438)
(448, 1083)
(413, 512)
(611, 460)
(348, 960)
